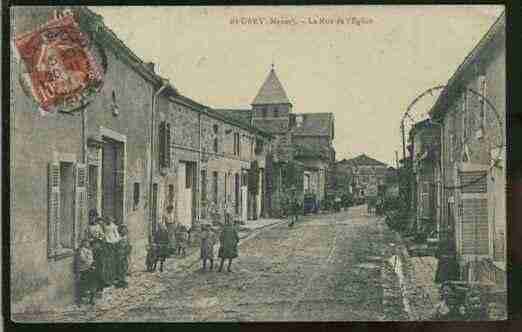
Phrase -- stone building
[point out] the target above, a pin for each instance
(63, 164)
(425, 146)
(471, 113)
(134, 147)
(301, 141)
(367, 175)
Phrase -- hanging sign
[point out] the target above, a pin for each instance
(61, 72)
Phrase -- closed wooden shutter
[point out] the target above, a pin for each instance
(80, 206)
(475, 231)
(161, 143)
(119, 183)
(53, 207)
(167, 146)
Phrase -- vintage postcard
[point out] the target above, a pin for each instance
(257, 163)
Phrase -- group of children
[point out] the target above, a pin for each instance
(170, 239)
(103, 257)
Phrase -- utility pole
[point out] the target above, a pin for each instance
(403, 142)
(397, 159)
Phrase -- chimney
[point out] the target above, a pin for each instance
(150, 66)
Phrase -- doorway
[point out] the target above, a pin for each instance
(186, 193)
(112, 179)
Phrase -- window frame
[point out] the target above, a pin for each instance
(136, 196)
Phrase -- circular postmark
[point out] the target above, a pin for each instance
(474, 128)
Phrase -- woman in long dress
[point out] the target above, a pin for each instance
(112, 237)
(96, 237)
(228, 244)
(168, 220)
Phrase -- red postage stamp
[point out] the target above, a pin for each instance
(60, 70)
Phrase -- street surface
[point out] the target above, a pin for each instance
(328, 267)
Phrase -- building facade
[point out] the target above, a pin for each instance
(471, 113)
(300, 142)
(424, 138)
(136, 147)
(368, 175)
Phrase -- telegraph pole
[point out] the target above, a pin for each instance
(403, 141)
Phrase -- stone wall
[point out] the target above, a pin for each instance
(36, 280)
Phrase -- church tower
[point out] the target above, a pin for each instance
(271, 101)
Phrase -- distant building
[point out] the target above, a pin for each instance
(303, 140)
(367, 175)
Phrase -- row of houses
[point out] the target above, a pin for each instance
(457, 159)
(137, 146)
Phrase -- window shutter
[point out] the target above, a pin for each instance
(53, 207)
(80, 202)
(161, 149)
(119, 183)
(167, 146)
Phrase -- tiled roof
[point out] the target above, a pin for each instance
(314, 124)
(362, 160)
(271, 92)
(241, 115)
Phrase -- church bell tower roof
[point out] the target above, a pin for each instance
(271, 92)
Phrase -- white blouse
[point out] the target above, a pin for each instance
(111, 233)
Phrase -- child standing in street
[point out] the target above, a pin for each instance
(182, 240)
(207, 246)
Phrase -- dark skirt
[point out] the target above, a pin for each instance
(88, 281)
(108, 263)
(206, 249)
(446, 269)
(227, 251)
(123, 260)
(163, 249)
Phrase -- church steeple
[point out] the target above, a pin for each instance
(272, 91)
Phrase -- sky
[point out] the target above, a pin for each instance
(366, 74)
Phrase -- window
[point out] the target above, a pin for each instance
(171, 194)
(483, 104)
(259, 146)
(276, 112)
(204, 193)
(236, 144)
(263, 112)
(244, 178)
(215, 129)
(299, 120)
(188, 175)
(465, 116)
(215, 145)
(215, 186)
(67, 205)
(164, 144)
(452, 146)
(226, 187)
(236, 192)
(136, 196)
